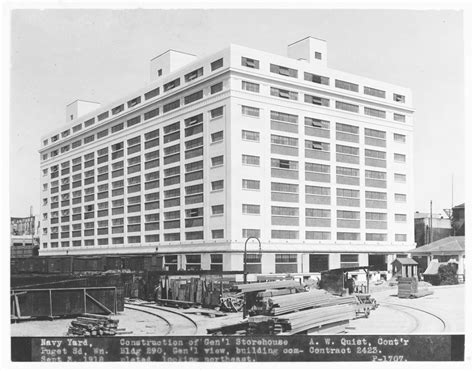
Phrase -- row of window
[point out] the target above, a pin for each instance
(325, 102)
(193, 126)
(219, 234)
(321, 80)
(188, 77)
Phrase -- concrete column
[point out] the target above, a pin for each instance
(268, 263)
(334, 261)
(205, 261)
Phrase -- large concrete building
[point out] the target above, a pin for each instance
(315, 162)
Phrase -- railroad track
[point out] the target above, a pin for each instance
(173, 319)
(418, 323)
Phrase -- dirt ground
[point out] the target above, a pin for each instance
(447, 302)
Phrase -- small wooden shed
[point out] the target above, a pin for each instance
(405, 267)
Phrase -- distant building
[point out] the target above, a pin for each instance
(458, 220)
(445, 250)
(441, 228)
(24, 240)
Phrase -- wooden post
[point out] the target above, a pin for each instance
(85, 302)
(368, 279)
(50, 304)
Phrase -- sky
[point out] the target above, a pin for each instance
(58, 56)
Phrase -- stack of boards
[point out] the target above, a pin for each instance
(95, 325)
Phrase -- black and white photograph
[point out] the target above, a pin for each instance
(237, 184)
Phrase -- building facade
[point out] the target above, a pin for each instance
(314, 162)
(430, 228)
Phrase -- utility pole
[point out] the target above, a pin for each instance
(431, 221)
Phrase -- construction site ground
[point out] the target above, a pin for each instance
(442, 312)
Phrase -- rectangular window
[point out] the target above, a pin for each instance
(150, 114)
(349, 260)
(284, 141)
(347, 85)
(399, 138)
(217, 209)
(193, 75)
(401, 218)
(400, 237)
(318, 146)
(398, 157)
(400, 197)
(285, 211)
(319, 101)
(285, 234)
(374, 112)
(171, 106)
(217, 64)
(117, 109)
(253, 136)
(216, 234)
(347, 106)
(317, 168)
(375, 133)
(217, 112)
(375, 154)
(281, 93)
(250, 111)
(251, 63)
(250, 160)
(89, 122)
(250, 209)
(216, 88)
(284, 164)
(376, 237)
(316, 123)
(251, 184)
(193, 97)
(250, 86)
(398, 117)
(217, 137)
(354, 151)
(318, 79)
(374, 92)
(400, 178)
(346, 128)
(217, 161)
(133, 102)
(171, 85)
(117, 128)
(370, 174)
(285, 71)
(246, 233)
(217, 185)
(399, 98)
(152, 93)
(198, 235)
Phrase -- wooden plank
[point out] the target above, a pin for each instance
(98, 303)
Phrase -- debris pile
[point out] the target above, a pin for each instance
(94, 325)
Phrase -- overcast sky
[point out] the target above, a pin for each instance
(58, 56)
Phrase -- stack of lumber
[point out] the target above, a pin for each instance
(312, 318)
(94, 325)
(296, 302)
(298, 322)
(263, 286)
(407, 286)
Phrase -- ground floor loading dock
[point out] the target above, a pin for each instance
(258, 261)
